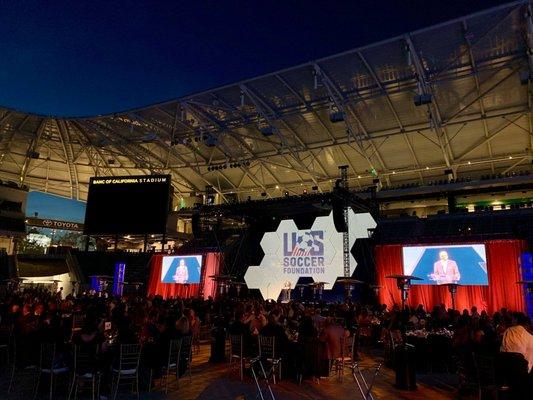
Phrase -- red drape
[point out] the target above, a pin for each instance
(503, 264)
(211, 265)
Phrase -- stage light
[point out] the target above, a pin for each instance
(314, 188)
(277, 187)
(525, 77)
(286, 193)
(336, 116)
(263, 194)
(267, 130)
(421, 99)
(210, 140)
(358, 176)
(305, 191)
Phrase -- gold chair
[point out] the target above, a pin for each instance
(48, 365)
(267, 351)
(85, 370)
(127, 368)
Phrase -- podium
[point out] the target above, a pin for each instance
(452, 288)
(403, 282)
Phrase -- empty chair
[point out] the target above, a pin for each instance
(6, 338)
(237, 354)
(184, 357)
(85, 370)
(486, 377)
(172, 364)
(346, 356)
(126, 368)
(50, 364)
(268, 352)
(22, 362)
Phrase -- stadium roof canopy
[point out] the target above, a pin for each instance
(274, 132)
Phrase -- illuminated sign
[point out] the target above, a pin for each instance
(317, 252)
(130, 180)
(54, 224)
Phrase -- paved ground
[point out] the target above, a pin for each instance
(211, 381)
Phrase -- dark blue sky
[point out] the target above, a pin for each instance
(54, 207)
(74, 57)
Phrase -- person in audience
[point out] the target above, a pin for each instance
(183, 327)
(275, 329)
(518, 339)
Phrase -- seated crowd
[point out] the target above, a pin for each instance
(308, 337)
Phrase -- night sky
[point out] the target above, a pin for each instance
(73, 58)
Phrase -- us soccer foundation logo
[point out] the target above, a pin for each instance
(303, 252)
(291, 253)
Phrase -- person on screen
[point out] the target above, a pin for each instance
(182, 273)
(445, 270)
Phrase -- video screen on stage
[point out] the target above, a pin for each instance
(439, 265)
(128, 205)
(181, 269)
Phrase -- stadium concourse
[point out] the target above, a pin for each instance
(356, 226)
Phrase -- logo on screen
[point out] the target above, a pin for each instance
(308, 243)
(315, 252)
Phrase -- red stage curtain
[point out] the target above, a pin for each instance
(503, 270)
(156, 287)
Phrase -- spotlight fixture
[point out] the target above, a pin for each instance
(286, 193)
(336, 116)
(267, 130)
(421, 99)
(525, 77)
(210, 140)
(314, 188)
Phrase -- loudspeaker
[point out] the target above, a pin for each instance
(338, 215)
(195, 222)
(452, 204)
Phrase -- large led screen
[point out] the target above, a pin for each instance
(128, 205)
(181, 269)
(317, 252)
(437, 265)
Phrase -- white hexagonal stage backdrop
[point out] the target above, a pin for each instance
(317, 253)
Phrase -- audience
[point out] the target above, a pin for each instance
(305, 335)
